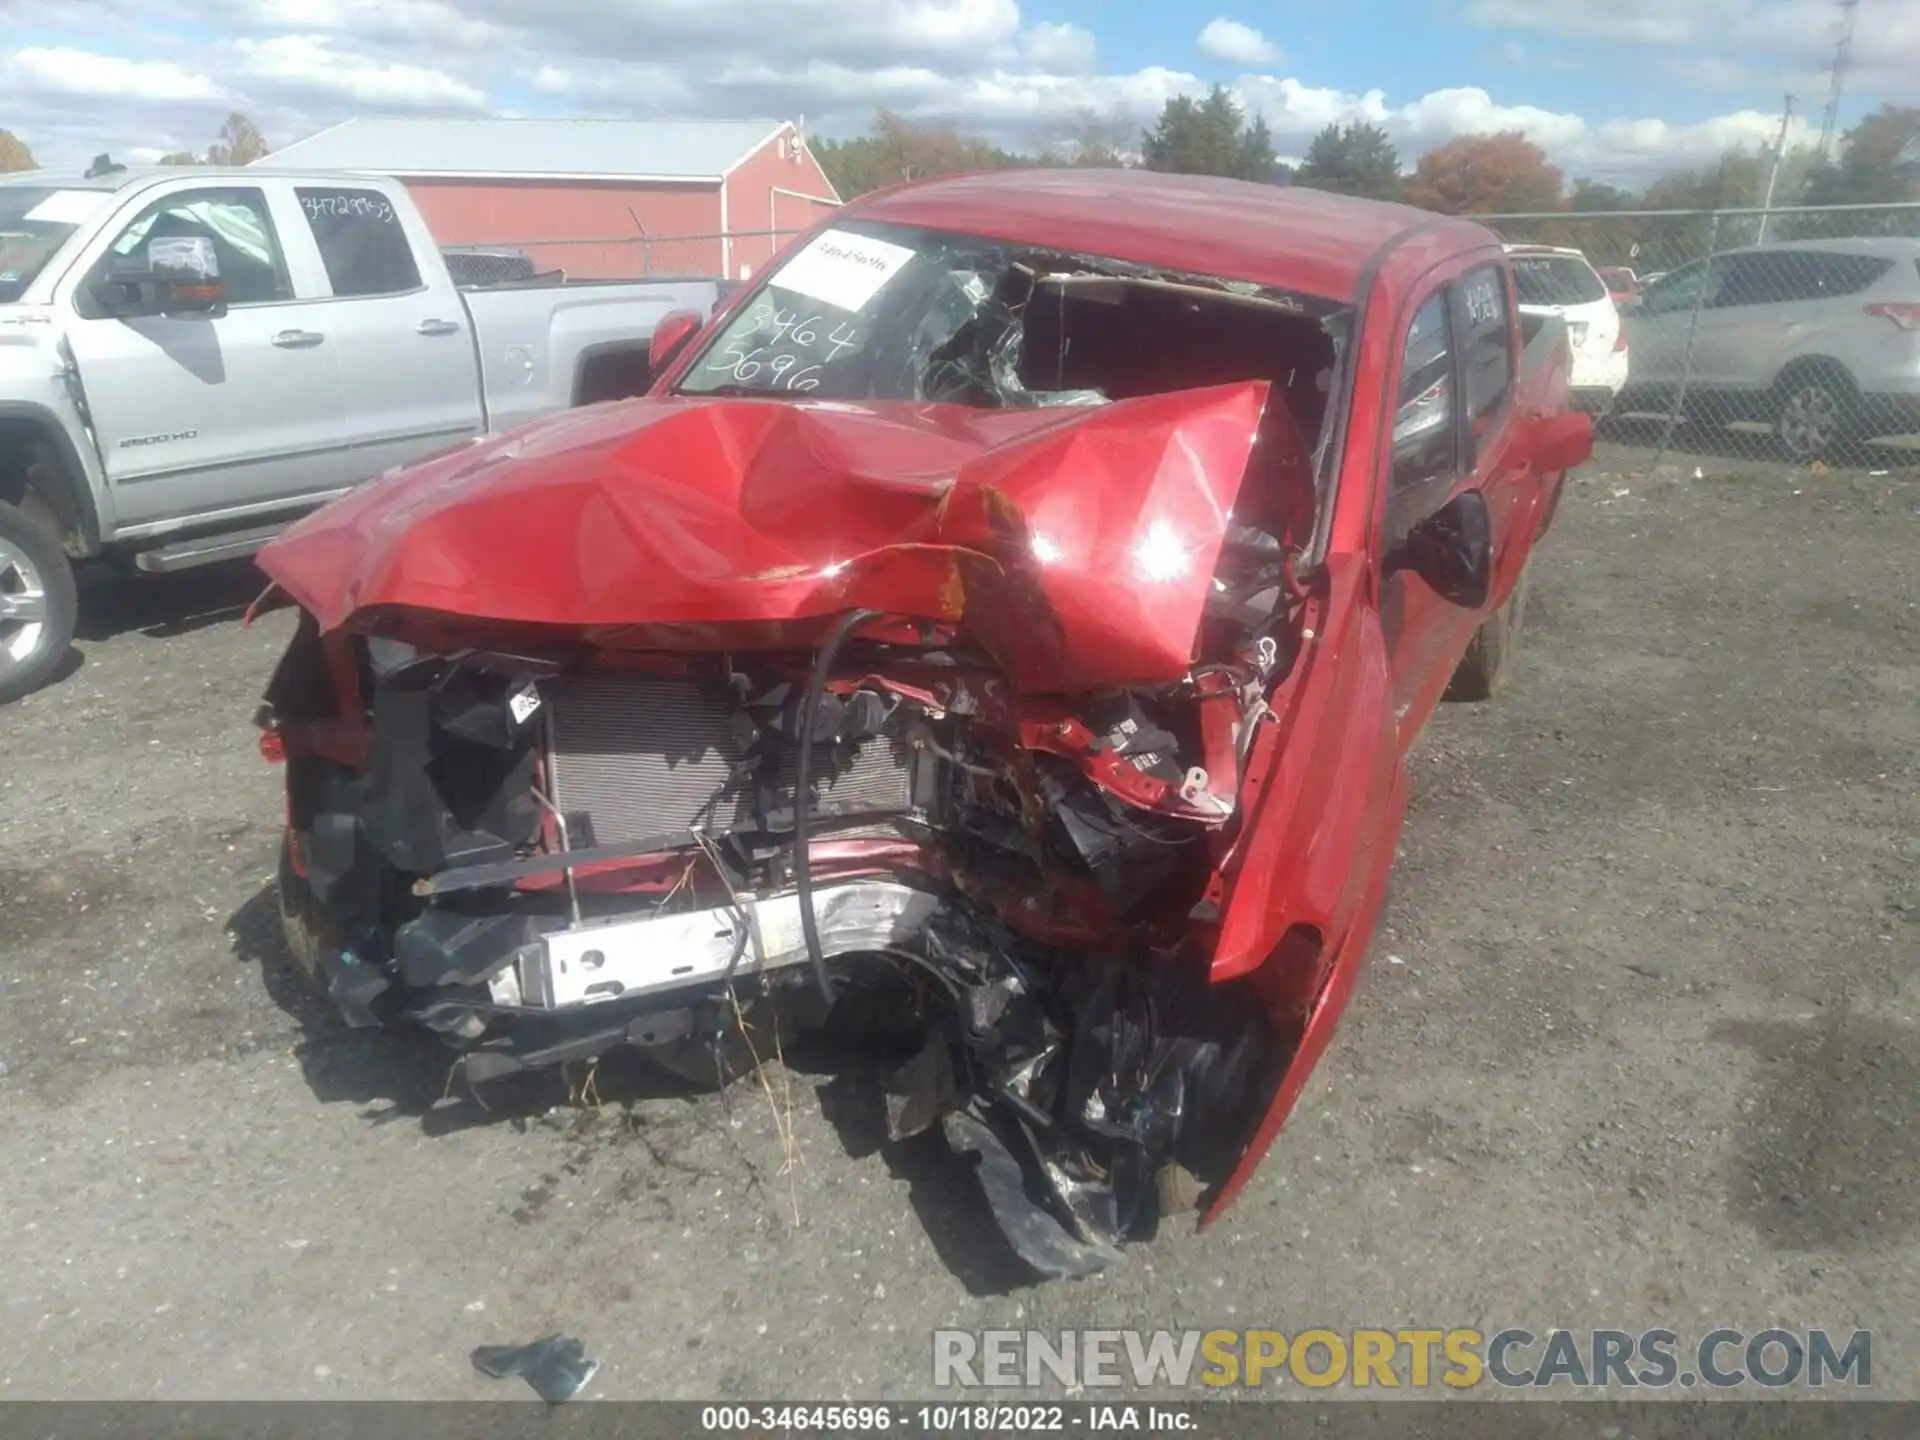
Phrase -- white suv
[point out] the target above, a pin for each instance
(1550, 280)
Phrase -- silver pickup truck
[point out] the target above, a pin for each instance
(191, 358)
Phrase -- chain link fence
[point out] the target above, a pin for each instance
(1784, 334)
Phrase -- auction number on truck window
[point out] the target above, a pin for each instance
(1483, 301)
(347, 205)
(784, 349)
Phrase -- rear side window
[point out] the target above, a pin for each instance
(361, 242)
(1556, 280)
(1425, 432)
(1778, 277)
(1486, 344)
(1848, 274)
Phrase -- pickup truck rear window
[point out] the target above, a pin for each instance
(361, 242)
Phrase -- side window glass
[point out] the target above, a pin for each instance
(252, 267)
(1736, 280)
(1843, 274)
(1675, 292)
(361, 242)
(1765, 280)
(1486, 343)
(1425, 434)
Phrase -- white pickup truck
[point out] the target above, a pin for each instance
(191, 358)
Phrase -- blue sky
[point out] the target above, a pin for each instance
(1619, 91)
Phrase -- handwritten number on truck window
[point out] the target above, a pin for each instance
(1483, 302)
(350, 205)
(362, 244)
(844, 337)
(798, 343)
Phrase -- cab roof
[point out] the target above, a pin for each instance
(1288, 237)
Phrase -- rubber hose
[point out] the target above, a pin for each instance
(803, 797)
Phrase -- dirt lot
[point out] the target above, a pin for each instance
(1637, 1045)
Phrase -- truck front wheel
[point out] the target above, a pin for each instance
(1492, 653)
(38, 606)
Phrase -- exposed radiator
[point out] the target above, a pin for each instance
(644, 755)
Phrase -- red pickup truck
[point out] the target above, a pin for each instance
(998, 636)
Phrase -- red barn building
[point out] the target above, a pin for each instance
(597, 198)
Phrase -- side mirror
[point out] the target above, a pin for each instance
(1452, 550)
(1561, 442)
(670, 337)
(169, 275)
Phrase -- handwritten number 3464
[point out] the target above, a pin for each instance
(787, 370)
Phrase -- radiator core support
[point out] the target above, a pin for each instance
(641, 755)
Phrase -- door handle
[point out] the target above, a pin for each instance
(437, 327)
(298, 339)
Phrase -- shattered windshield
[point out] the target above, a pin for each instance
(869, 311)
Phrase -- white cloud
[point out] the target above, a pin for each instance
(67, 71)
(956, 34)
(1059, 49)
(1236, 44)
(1788, 39)
(308, 63)
(425, 21)
(1625, 149)
(298, 65)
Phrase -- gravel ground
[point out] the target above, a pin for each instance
(1635, 1048)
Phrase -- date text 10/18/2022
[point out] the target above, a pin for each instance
(944, 1418)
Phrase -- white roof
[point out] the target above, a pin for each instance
(678, 150)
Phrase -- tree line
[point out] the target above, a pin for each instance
(1501, 174)
(238, 143)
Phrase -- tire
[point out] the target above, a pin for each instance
(297, 914)
(1817, 412)
(38, 606)
(1493, 653)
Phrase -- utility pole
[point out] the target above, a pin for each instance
(1842, 59)
(1773, 170)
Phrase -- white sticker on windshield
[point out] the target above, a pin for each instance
(843, 269)
(69, 207)
(522, 703)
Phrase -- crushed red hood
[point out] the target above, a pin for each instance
(1075, 545)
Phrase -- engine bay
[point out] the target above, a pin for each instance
(540, 859)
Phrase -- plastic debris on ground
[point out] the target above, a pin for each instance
(556, 1366)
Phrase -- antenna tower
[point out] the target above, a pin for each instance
(1842, 61)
